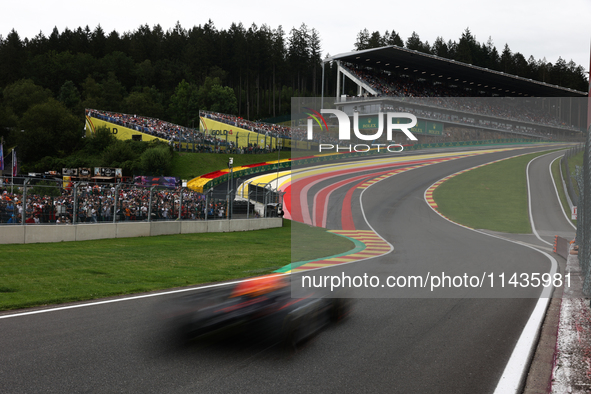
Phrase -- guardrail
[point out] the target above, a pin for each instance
(207, 181)
(574, 197)
(583, 238)
(31, 201)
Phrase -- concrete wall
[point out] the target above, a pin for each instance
(86, 232)
(131, 230)
(193, 226)
(47, 233)
(165, 228)
(12, 234)
(18, 234)
(218, 226)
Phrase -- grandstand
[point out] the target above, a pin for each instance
(452, 101)
(473, 80)
(456, 96)
(209, 138)
(217, 132)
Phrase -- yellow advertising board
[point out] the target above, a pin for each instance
(67, 182)
(121, 132)
(239, 136)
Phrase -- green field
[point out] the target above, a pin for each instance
(50, 273)
(493, 197)
(573, 162)
(558, 181)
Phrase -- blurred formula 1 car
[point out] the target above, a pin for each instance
(263, 305)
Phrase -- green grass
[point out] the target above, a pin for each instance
(576, 160)
(573, 162)
(40, 274)
(50, 273)
(492, 197)
(561, 193)
(190, 165)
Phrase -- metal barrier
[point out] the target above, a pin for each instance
(583, 238)
(268, 199)
(25, 201)
(574, 197)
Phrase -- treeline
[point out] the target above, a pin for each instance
(47, 135)
(46, 82)
(166, 74)
(140, 71)
(468, 50)
(104, 150)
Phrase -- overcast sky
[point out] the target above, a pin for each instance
(542, 28)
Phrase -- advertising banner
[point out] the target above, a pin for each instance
(164, 181)
(121, 132)
(368, 122)
(67, 182)
(107, 172)
(84, 172)
(237, 135)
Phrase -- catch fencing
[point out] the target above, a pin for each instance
(567, 171)
(27, 201)
(583, 238)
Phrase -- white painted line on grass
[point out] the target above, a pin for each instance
(61, 308)
(558, 195)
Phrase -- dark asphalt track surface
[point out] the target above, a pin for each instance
(548, 217)
(393, 345)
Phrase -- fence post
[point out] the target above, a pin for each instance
(265, 202)
(256, 195)
(180, 203)
(75, 205)
(247, 202)
(150, 204)
(115, 203)
(207, 203)
(24, 215)
(584, 216)
(228, 205)
(99, 211)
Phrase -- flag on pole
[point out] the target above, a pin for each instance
(1, 156)
(14, 163)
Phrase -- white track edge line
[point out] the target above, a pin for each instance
(514, 372)
(558, 195)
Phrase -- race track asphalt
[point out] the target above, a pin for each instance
(432, 344)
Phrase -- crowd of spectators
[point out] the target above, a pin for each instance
(470, 101)
(193, 139)
(504, 126)
(156, 127)
(436, 98)
(94, 204)
(268, 129)
(433, 95)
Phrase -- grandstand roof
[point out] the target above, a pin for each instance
(394, 58)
